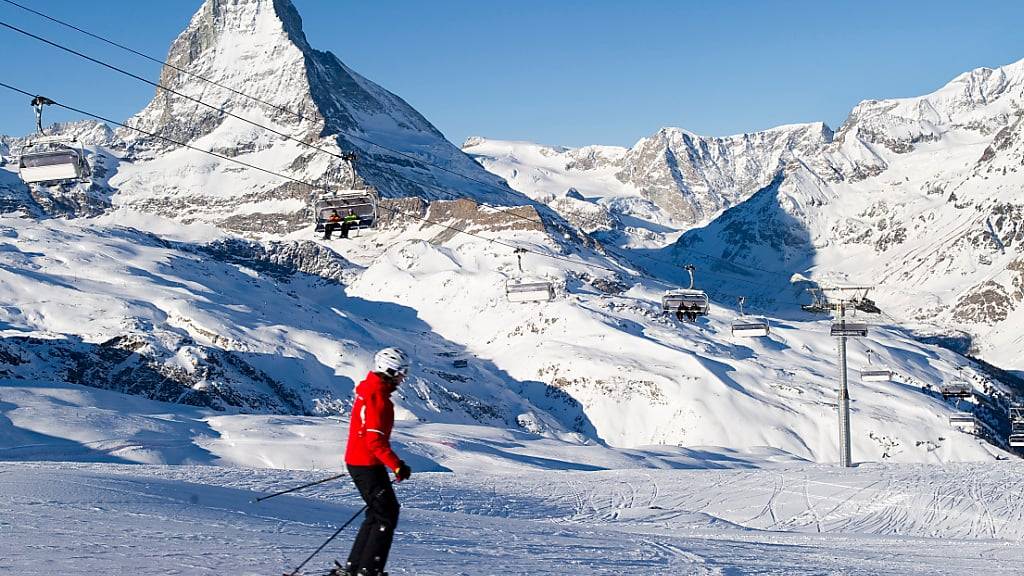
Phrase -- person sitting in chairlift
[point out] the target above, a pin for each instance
(351, 219)
(685, 311)
(333, 223)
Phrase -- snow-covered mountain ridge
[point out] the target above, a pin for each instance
(686, 177)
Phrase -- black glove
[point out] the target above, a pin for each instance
(403, 471)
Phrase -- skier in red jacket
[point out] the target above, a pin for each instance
(369, 457)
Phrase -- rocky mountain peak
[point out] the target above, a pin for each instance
(248, 61)
(695, 177)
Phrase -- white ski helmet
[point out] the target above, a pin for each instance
(391, 361)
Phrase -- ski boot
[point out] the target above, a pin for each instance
(340, 570)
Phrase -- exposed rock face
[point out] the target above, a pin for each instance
(985, 304)
(281, 259)
(135, 364)
(695, 177)
(258, 47)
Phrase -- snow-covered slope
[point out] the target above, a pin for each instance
(229, 324)
(289, 327)
(582, 185)
(807, 520)
(477, 493)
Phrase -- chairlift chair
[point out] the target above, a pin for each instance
(523, 289)
(686, 302)
(964, 421)
(1016, 426)
(875, 374)
(849, 329)
(959, 388)
(1017, 414)
(519, 291)
(749, 326)
(51, 158)
(362, 202)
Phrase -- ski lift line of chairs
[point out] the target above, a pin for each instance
(875, 373)
(749, 326)
(1016, 426)
(686, 303)
(51, 158)
(522, 289)
(363, 203)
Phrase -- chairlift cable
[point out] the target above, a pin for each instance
(452, 195)
(507, 192)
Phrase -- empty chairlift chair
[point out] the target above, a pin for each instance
(53, 159)
(959, 388)
(956, 390)
(686, 303)
(749, 326)
(525, 289)
(964, 421)
(849, 329)
(875, 373)
(363, 203)
(1017, 426)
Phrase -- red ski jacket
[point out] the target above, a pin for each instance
(369, 432)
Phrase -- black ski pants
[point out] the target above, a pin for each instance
(329, 229)
(345, 227)
(373, 543)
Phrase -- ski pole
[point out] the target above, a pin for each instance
(297, 488)
(335, 535)
(324, 545)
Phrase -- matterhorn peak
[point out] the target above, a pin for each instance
(242, 80)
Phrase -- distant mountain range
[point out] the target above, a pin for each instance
(923, 197)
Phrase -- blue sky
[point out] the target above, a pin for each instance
(567, 72)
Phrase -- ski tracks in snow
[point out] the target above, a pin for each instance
(802, 521)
